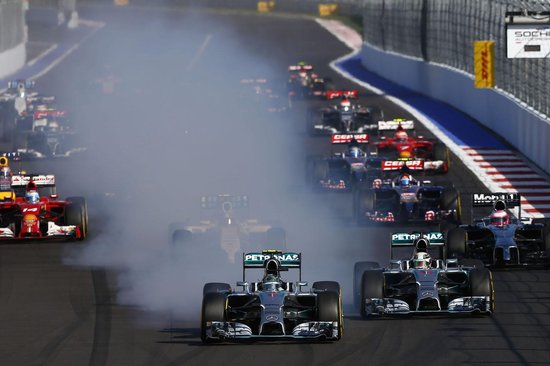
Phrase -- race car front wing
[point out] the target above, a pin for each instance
(389, 306)
(310, 330)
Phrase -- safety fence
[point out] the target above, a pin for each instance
(443, 32)
(12, 24)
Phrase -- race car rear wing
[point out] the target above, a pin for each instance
(434, 239)
(225, 202)
(300, 67)
(398, 164)
(49, 113)
(394, 124)
(350, 94)
(16, 84)
(41, 180)
(498, 200)
(489, 199)
(286, 260)
(361, 138)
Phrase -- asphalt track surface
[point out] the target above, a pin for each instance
(151, 156)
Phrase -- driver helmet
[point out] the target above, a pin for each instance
(421, 260)
(355, 152)
(271, 283)
(499, 218)
(401, 135)
(405, 180)
(32, 197)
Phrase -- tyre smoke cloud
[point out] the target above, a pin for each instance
(179, 125)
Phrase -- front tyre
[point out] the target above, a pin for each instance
(329, 309)
(213, 309)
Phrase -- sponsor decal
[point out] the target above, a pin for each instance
(397, 164)
(346, 138)
(272, 318)
(285, 257)
(409, 238)
(493, 197)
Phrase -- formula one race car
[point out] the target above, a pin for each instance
(300, 78)
(345, 117)
(501, 238)
(408, 148)
(31, 217)
(46, 133)
(343, 171)
(423, 284)
(272, 308)
(405, 199)
(226, 222)
(265, 95)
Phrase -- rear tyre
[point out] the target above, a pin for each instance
(181, 236)
(329, 309)
(215, 287)
(372, 287)
(450, 200)
(440, 153)
(456, 243)
(213, 309)
(364, 202)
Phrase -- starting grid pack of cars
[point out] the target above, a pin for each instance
(444, 271)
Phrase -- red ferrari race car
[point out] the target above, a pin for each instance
(404, 147)
(29, 217)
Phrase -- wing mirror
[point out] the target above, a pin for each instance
(243, 284)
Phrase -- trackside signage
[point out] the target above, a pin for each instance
(407, 239)
(484, 64)
(528, 40)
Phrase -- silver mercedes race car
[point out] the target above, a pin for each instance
(272, 309)
(424, 284)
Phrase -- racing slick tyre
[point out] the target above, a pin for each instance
(545, 231)
(450, 200)
(358, 270)
(481, 284)
(372, 287)
(319, 171)
(81, 201)
(320, 286)
(440, 153)
(74, 215)
(181, 236)
(213, 309)
(364, 202)
(329, 309)
(456, 243)
(216, 287)
(276, 238)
